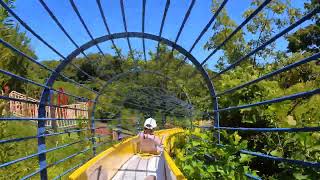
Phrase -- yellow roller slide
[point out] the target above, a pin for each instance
(123, 162)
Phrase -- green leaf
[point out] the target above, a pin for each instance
(188, 168)
(299, 176)
(195, 143)
(315, 148)
(277, 153)
(237, 138)
(245, 158)
(291, 121)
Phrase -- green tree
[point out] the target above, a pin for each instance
(11, 62)
(307, 38)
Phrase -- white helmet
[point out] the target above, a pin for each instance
(150, 123)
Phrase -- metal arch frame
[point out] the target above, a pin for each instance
(162, 24)
(119, 76)
(75, 9)
(115, 78)
(180, 87)
(205, 29)
(188, 98)
(57, 22)
(269, 41)
(235, 31)
(104, 20)
(185, 19)
(168, 42)
(147, 72)
(93, 42)
(144, 2)
(170, 79)
(124, 21)
(28, 28)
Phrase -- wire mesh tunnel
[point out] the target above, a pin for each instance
(100, 90)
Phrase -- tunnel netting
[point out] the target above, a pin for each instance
(143, 100)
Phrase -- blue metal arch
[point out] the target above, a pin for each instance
(179, 48)
(93, 42)
(113, 79)
(143, 71)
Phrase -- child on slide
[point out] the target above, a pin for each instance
(150, 143)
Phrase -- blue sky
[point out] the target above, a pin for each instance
(35, 15)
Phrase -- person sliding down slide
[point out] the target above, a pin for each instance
(148, 142)
(149, 162)
(151, 144)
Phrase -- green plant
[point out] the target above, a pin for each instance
(199, 157)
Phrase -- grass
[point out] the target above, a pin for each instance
(12, 151)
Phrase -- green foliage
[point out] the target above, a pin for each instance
(12, 151)
(306, 39)
(10, 61)
(223, 26)
(297, 113)
(198, 156)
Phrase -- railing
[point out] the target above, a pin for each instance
(23, 109)
(30, 110)
(314, 58)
